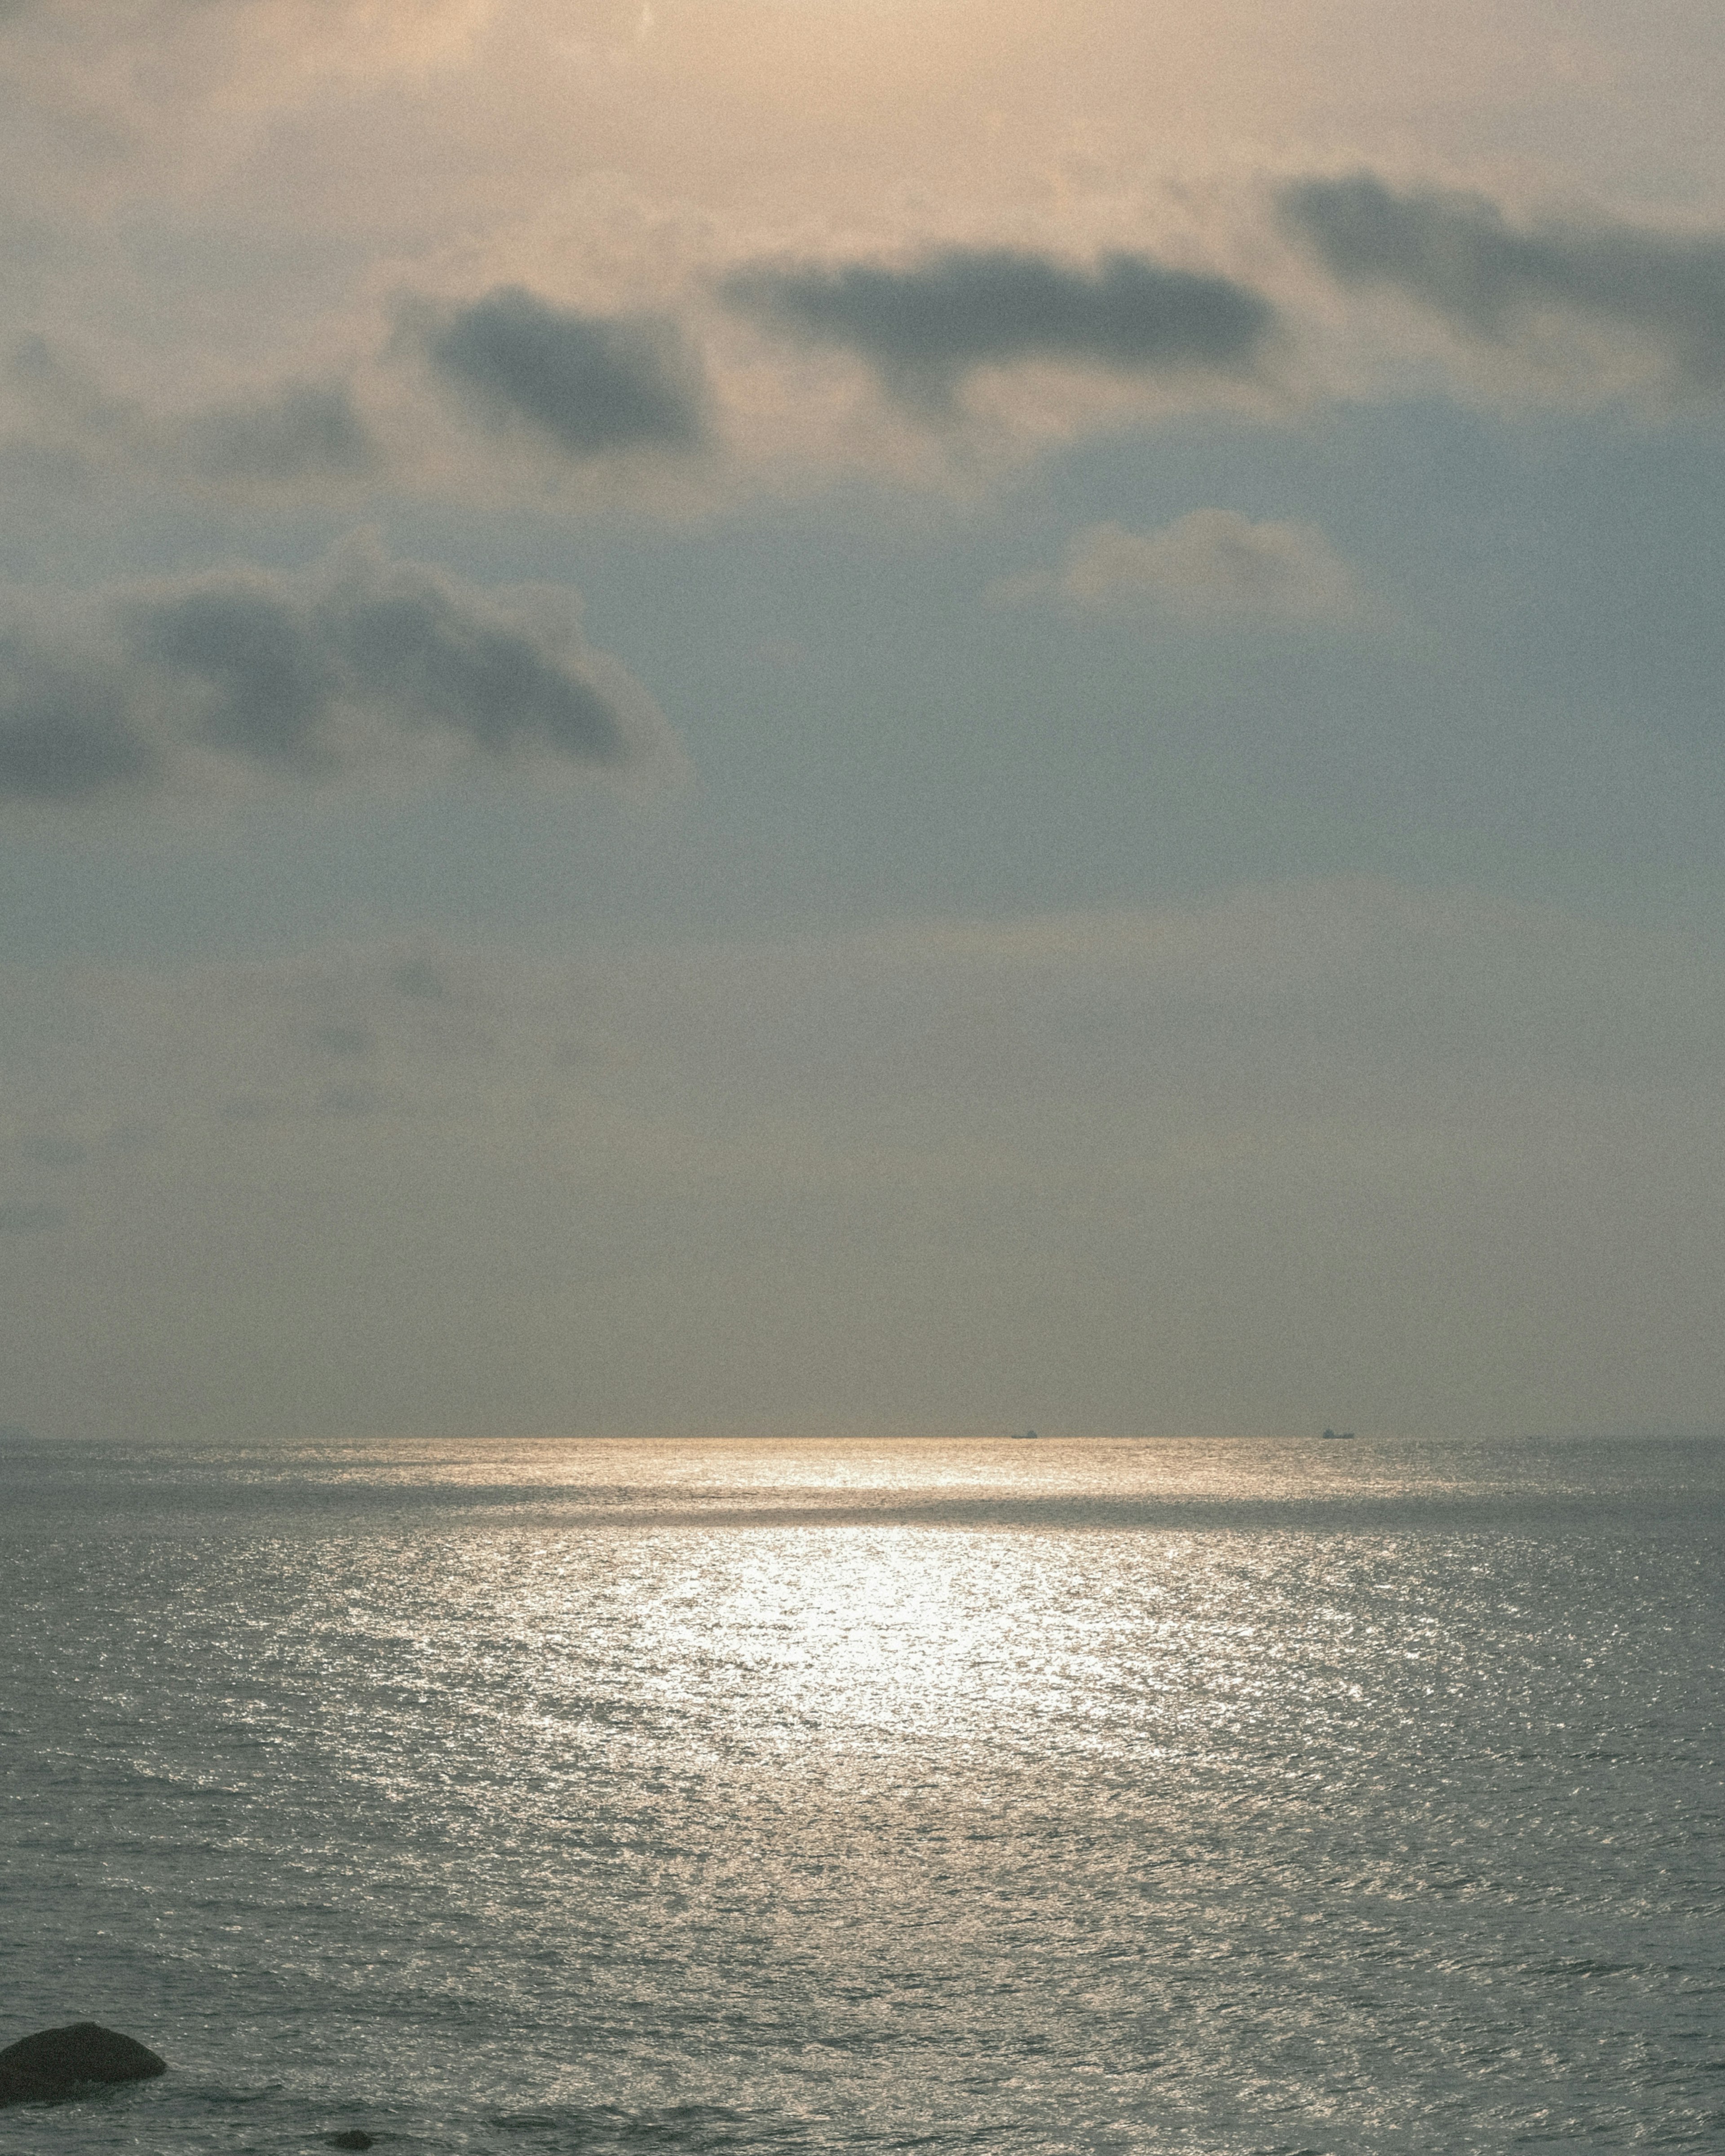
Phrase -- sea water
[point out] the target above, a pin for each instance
(1217, 1796)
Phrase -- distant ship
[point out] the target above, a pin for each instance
(1339, 1436)
(1022, 1437)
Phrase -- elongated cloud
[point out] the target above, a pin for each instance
(1212, 565)
(286, 435)
(27, 1219)
(366, 663)
(925, 327)
(1456, 254)
(304, 429)
(587, 384)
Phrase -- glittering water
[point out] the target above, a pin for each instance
(1195, 1796)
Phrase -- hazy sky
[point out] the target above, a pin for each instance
(861, 715)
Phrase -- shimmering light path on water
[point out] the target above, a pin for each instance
(1224, 1797)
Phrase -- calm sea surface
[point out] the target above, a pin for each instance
(1195, 1796)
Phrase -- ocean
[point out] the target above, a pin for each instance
(1204, 1796)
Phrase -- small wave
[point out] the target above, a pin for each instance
(603, 2127)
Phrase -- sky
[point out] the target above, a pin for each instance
(844, 716)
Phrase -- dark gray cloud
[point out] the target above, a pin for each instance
(301, 430)
(17, 1218)
(1457, 254)
(291, 433)
(55, 1151)
(365, 662)
(592, 384)
(248, 656)
(350, 1101)
(422, 977)
(353, 1043)
(923, 328)
(66, 730)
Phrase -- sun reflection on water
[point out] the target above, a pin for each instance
(900, 1793)
(823, 1651)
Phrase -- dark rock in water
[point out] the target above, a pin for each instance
(352, 2139)
(55, 2060)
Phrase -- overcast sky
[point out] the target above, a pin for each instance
(845, 716)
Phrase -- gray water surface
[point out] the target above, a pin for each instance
(1203, 1796)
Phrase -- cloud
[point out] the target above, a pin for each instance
(1425, 987)
(590, 384)
(922, 1123)
(17, 1218)
(1214, 564)
(1456, 254)
(66, 730)
(352, 1043)
(285, 435)
(363, 663)
(304, 429)
(923, 328)
(421, 977)
(52, 1150)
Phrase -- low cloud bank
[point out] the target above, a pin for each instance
(365, 663)
(589, 385)
(1456, 254)
(1454, 1159)
(1330, 1003)
(924, 327)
